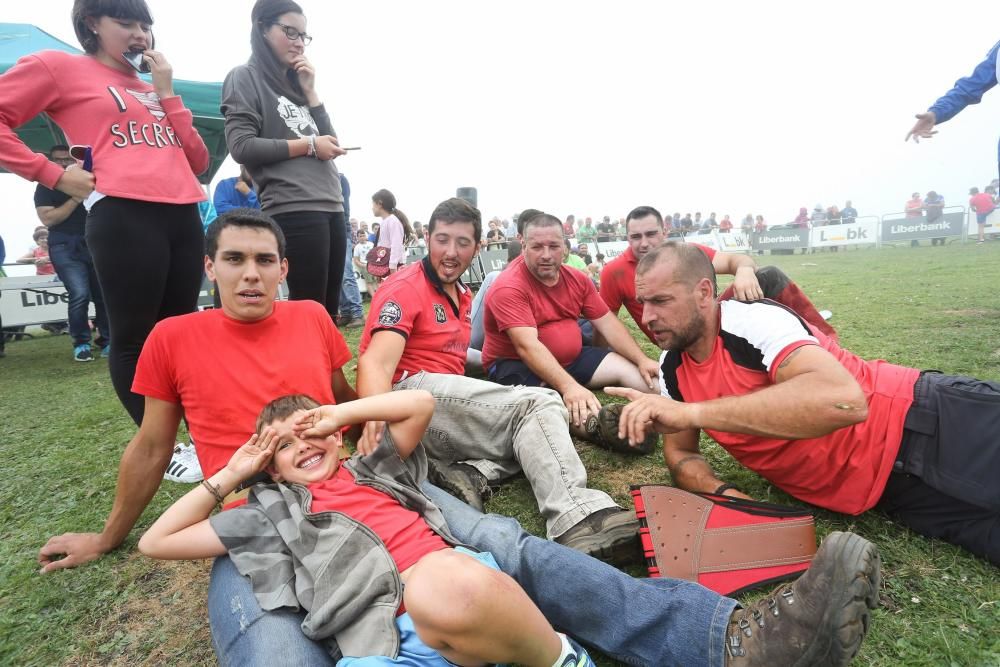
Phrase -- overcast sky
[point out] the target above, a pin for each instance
(593, 108)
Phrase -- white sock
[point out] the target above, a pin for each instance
(565, 652)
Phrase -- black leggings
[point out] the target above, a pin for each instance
(149, 261)
(316, 247)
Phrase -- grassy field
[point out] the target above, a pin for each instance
(63, 431)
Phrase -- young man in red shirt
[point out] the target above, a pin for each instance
(817, 421)
(983, 203)
(417, 336)
(644, 231)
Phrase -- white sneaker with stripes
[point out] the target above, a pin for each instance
(184, 466)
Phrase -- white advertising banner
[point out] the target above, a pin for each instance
(30, 300)
(731, 242)
(852, 234)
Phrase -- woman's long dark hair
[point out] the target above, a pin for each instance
(285, 81)
(130, 10)
(387, 201)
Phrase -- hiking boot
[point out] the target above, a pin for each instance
(83, 353)
(460, 480)
(602, 430)
(820, 619)
(610, 534)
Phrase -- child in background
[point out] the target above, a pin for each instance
(369, 556)
(39, 255)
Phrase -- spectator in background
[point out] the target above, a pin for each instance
(395, 231)
(746, 226)
(361, 248)
(818, 218)
(726, 226)
(510, 228)
(495, 237)
(915, 209)
(833, 215)
(619, 230)
(569, 227)
(586, 233)
(696, 223)
(934, 209)
(583, 252)
(849, 214)
(712, 222)
(39, 253)
(760, 225)
(802, 219)
(351, 315)
(605, 230)
(968, 90)
(66, 219)
(687, 224)
(373, 234)
(574, 259)
(983, 204)
(235, 192)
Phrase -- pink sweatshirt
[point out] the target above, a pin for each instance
(144, 148)
(390, 235)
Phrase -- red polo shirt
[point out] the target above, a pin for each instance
(517, 299)
(618, 285)
(412, 302)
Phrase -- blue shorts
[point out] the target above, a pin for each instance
(412, 651)
(513, 372)
(982, 217)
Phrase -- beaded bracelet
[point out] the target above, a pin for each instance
(214, 490)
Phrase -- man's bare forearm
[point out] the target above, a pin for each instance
(139, 476)
(691, 472)
(802, 407)
(543, 364)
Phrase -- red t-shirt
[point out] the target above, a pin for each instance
(144, 147)
(517, 299)
(404, 532)
(618, 285)
(983, 202)
(223, 371)
(413, 303)
(844, 471)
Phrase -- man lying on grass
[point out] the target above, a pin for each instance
(356, 544)
(814, 419)
(217, 368)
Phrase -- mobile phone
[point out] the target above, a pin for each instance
(135, 59)
(85, 155)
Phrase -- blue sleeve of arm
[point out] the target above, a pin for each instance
(968, 90)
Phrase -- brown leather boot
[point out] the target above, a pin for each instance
(820, 619)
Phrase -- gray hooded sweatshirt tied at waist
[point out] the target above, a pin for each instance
(259, 122)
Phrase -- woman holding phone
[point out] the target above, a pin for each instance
(143, 228)
(395, 231)
(277, 127)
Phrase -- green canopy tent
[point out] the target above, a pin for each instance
(40, 133)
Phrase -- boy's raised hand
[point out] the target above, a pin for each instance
(318, 422)
(254, 455)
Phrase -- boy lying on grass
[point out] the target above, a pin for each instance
(358, 545)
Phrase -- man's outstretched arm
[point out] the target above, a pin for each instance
(139, 475)
(743, 268)
(814, 395)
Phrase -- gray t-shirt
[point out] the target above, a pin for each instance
(259, 121)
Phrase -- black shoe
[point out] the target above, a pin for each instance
(602, 430)
(610, 534)
(460, 480)
(820, 619)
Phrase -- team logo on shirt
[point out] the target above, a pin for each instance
(297, 118)
(439, 315)
(390, 314)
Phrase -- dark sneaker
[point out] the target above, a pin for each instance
(602, 430)
(610, 534)
(820, 619)
(83, 353)
(354, 323)
(460, 480)
(578, 658)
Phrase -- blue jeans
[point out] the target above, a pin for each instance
(652, 622)
(75, 268)
(350, 295)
